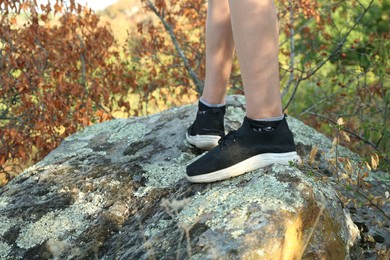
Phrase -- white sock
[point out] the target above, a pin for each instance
(204, 102)
(277, 118)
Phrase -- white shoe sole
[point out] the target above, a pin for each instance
(204, 142)
(253, 163)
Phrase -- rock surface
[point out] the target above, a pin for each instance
(117, 190)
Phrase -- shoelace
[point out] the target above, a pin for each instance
(230, 137)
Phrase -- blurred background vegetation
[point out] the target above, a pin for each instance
(64, 67)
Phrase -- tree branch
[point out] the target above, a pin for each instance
(197, 82)
(292, 51)
(341, 43)
(346, 130)
(296, 85)
(334, 52)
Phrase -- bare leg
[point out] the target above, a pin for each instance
(257, 143)
(219, 51)
(255, 31)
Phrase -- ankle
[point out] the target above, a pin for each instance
(212, 102)
(268, 119)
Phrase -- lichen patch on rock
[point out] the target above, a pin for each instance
(5, 249)
(163, 176)
(5, 224)
(228, 205)
(60, 224)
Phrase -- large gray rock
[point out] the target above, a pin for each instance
(117, 190)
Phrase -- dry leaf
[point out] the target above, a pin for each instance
(348, 165)
(340, 121)
(313, 153)
(370, 239)
(368, 166)
(346, 136)
(335, 141)
(374, 161)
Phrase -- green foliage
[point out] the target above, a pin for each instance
(348, 50)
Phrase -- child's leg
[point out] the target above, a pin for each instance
(255, 30)
(219, 51)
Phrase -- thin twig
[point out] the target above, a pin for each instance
(373, 204)
(345, 130)
(198, 83)
(296, 85)
(341, 43)
(292, 51)
(358, 192)
(333, 53)
(322, 207)
(331, 97)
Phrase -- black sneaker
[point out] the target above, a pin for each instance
(244, 150)
(207, 128)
